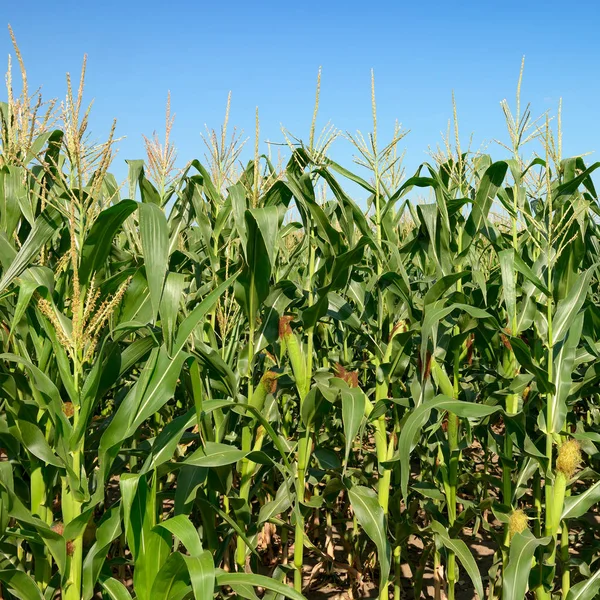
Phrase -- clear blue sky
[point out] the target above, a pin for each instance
(268, 54)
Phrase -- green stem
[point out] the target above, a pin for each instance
(71, 509)
(437, 579)
(247, 466)
(303, 455)
(240, 556)
(541, 593)
(564, 558)
(537, 503)
(453, 434)
(397, 566)
(385, 475)
(512, 407)
(303, 367)
(311, 299)
(202, 420)
(450, 389)
(549, 421)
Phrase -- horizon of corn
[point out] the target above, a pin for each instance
(232, 381)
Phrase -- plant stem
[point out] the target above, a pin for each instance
(437, 575)
(564, 557)
(453, 431)
(303, 381)
(71, 509)
(385, 475)
(303, 453)
(240, 556)
(537, 503)
(541, 593)
(512, 406)
(397, 565)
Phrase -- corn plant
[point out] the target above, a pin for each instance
(237, 380)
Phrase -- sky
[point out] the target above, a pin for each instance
(268, 55)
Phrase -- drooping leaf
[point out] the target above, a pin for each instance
(372, 519)
(353, 409)
(463, 554)
(419, 416)
(45, 226)
(20, 584)
(232, 579)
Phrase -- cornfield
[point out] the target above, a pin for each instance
(238, 381)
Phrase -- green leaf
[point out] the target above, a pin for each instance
(33, 439)
(353, 409)
(115, 589)
(14, 198)
(159, 391)
(149, 547)
(419, 416)
(154, 232)
(215, 454)
(172, 579)
(567, 309)
(108, 530)
(522, 548)
(564, 362)
(587, 589)
(463, 554)
(311, 406)
(148, 192)
(443, 284)
(351, 176)
(173, 293)
(523, 355)
(136, 168)
(253, 284)
(436, 312)
(33, 279)
(202, 574)
(266, 222)
(283, 500)
(528, 273)
(188, 481)
(577, 506)
(55, 542)
(79, 524)
(98, 242)
(20, 584)
(44, 228)
(49, 395)
(166, 441)
(181, 527)
(7, 251)
(191, 321)
(245, 591)
(484, 197)
(372, 519)
(232, 579)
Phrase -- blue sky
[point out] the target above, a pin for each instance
(268, 55)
